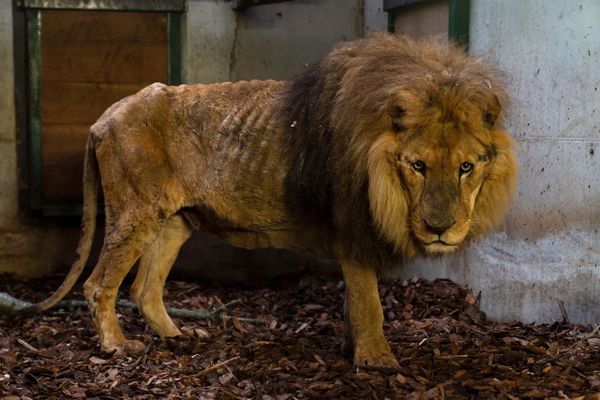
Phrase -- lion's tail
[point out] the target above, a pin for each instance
(88, 222)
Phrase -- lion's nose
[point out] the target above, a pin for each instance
(438, 227)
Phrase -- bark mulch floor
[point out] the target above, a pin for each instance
(290, 349)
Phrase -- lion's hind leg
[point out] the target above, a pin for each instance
(124, 242)
(155, 264)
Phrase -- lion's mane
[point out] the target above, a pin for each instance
(339, 109)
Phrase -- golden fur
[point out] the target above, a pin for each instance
(384, 150)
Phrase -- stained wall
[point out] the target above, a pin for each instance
(545, 263)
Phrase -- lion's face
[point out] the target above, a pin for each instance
(435, 182)
(443, 173)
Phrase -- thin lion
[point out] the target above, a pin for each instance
(385, 150)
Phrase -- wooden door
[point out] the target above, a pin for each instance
(89, 60)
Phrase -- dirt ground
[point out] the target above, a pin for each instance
(289, 348)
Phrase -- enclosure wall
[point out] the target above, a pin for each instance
(547, 256)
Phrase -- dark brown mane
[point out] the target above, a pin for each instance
(306, 116)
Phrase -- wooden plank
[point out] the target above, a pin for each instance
(80, 103)
(90, 60)
(63, 163)
(106, 26)
(62, 184)
(104, 62)
(64, 144)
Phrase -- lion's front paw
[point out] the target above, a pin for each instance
(128, 347)
(379, 360)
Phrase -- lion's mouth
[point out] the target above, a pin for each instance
(439, 241)
(439, 246)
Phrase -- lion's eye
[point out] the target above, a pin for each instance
(418, 166)
(465, 168)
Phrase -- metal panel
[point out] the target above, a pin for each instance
(21, 116)
(459, 16)
(34, 25)
(390, 5)
(174, 43)
(239, 5)
(106, 5)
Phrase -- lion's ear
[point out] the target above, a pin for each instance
(397, 114)
(492, 112)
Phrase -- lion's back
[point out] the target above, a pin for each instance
(217, 146)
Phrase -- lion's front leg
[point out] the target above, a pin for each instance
(363, 316)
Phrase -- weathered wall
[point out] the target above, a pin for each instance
(272, 41)
(549, 250)
(8, 155)
(375, 18)
(423, 20)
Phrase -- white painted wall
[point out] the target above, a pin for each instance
(549, 250)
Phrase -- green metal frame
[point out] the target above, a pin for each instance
(174, 39)
(458, 17)
(34, 112)
(33, 171)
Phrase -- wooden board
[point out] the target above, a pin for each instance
(81, 103)
(63, 143)
(62, 183)
(89, 60)
(103, 62)
(109, 26)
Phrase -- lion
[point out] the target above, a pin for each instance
(385, 150)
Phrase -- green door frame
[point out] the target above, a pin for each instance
(458, 17)
(30, 152)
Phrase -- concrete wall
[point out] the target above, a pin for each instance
(272, 41)
(423, 20)
(549, 250)
(375, 19)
